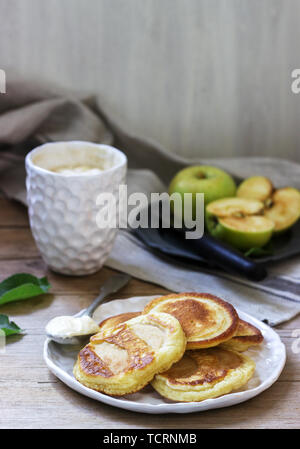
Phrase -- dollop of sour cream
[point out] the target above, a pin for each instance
(70, 326)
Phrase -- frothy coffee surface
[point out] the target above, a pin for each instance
(78, 170)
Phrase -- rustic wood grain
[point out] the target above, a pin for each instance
(14, 214)
(34, 398)
(205, 78)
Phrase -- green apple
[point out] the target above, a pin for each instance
(256, 187)
(238, 222)
(212, 181)
(284, 208)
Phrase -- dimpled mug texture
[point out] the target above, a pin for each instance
(62, 212)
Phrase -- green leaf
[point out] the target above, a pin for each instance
(258, 252)
(9, 327)
(22, 286)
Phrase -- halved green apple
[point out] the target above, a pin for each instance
(235, 207)
(256, 187)
(284, 209)
(238, 222)
(248, 232)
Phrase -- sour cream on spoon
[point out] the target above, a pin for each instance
(72, 330)
(70, 326)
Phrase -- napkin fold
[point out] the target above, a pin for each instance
(32, 113)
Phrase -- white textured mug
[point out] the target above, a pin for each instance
(62, 207)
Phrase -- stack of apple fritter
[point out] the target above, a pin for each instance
(188, 345)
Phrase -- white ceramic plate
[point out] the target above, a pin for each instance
(269, 358)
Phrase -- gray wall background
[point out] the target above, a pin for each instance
(203, 77)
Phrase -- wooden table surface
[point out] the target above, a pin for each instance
(31, 397)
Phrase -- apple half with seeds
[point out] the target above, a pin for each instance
(238, 221)
(284, 208)
(256, 187)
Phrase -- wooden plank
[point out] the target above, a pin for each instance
(74, 284)
(13, 213)
(48, 405)
(17, 244)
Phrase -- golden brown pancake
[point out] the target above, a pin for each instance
(203, 374)
(246, 335)
(123, 359)
(206, 319)
(117, 319)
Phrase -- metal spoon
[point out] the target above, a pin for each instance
(112, 285)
